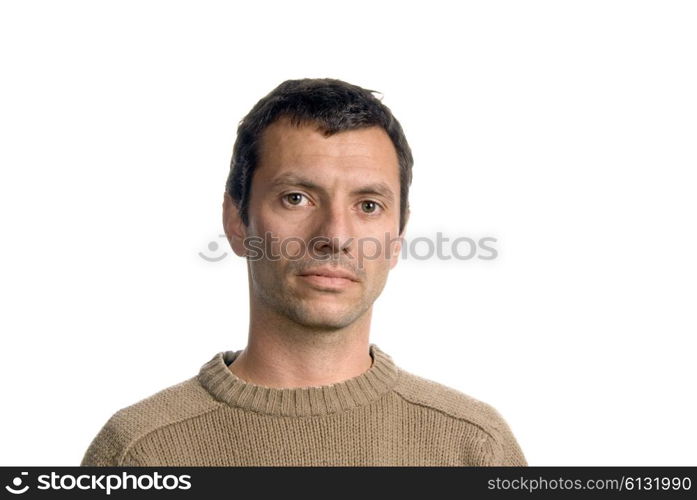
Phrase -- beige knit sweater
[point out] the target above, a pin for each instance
(385, 416)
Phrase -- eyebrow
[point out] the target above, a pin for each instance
(374, 188)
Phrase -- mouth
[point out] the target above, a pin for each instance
(328, 280)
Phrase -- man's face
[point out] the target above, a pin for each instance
(322, 202)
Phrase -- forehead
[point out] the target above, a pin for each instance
(366, 152)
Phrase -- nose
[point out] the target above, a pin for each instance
(334, 235)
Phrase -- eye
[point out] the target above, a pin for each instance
(370, 206)
(294, 199)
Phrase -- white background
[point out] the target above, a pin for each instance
(564, 129)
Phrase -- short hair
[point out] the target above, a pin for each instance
(335, 106)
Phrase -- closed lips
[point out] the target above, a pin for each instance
(330, 273)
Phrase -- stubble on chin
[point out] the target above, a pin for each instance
(282, 295)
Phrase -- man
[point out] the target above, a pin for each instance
(317, 202)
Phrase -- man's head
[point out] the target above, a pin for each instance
(320, 173)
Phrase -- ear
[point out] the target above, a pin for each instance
(394, 257)
(235, 230)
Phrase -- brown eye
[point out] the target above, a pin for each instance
(294, 198)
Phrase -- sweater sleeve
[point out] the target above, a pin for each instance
(110, 446)
(507, 451)
(104, 450)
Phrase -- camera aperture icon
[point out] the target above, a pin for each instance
(17, 482)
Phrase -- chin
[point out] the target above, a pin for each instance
(327, 319)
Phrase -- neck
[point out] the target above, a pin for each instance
(283, 354)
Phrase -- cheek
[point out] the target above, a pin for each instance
(280, 239)
(375, 270)
(369, 249)
(294, 248)
(375, 252)
(268, 273)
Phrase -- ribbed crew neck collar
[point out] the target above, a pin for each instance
(369, 386)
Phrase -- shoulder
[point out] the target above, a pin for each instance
(424, 392)
(459, 406)
(187, 399)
